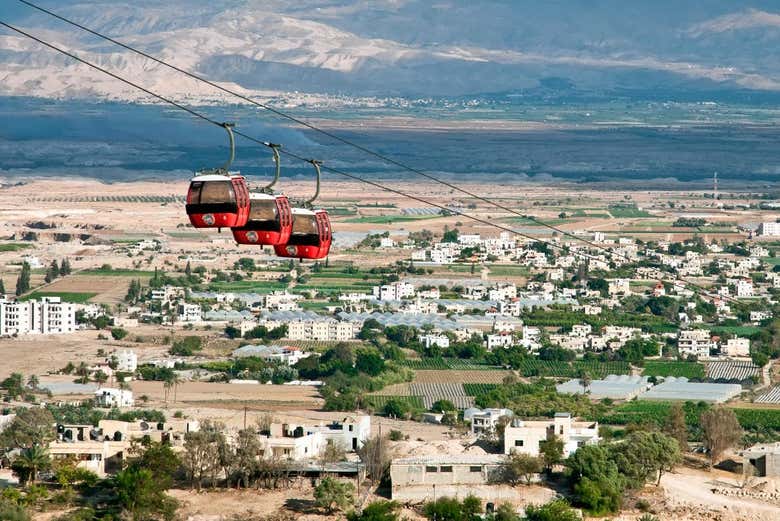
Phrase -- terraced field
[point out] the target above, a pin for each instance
(772, 396)
(461, 376)
(732, 370)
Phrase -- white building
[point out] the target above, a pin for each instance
(485, 421)
(189, 312)
(769, 229)
(325, 329)
(619, 287)
(744, 288)
(500, 340)
(46, 316)
(394, 291)
(167, 293)
(736, 347)
(433, 339)
(696, 342)
(526, 436)
(126, 361)
(107, 397)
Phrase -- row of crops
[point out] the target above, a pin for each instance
(379, 402)
(559, 369)
(762, 420)
(732, 370)
(689, 370)
(771, 396)
(114, 199)
(444, 363)
(478, 389)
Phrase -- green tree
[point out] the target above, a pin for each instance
(676, 426)
(370, 362)
(521, 467)
(395, 408)
(140, 496)
(65, 267)
(557, 510)
(596, 480)
(31, 427)
(552, 452)
(443, 406)
(377, 511)
(721, 431)
(13, 385)
(645, 456)
(29, 462)
(334, 495)
(118, 333)
(23, 282)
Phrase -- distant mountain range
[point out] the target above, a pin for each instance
(364, 51)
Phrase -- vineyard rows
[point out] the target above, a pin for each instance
(772, 396)
(114, 198)
(690, 370)
(595, 369)
(478, 389)
(444, 363)
(431, 393)
(732, 370)
(762, 420)
(378, 402)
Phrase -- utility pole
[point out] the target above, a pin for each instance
(245, 408)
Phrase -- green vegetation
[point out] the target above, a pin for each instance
(627, 211)
(78, 298)
(690, 370)
(379, 403)
(479, 389)
(445, 363)
(14, 246)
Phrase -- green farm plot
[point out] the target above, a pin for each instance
(444, 363)
(185, 235)
(772, 261)
(621, 211)
(472, 389)
(390, 219)
(77, 298)
(735, 330)
(540, 222)
(247, 286)
(559, 369)
(341, 211)
(753, 420)
(690, 370)
(14, 246)
(117, 273)
(379, 402)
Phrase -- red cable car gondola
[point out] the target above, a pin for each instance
(270, 216)
(311, 231)
(218, 198)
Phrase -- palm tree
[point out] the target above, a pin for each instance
(83, 372)
(176, 381)
(100, 378)
(33, 382)
(31, 461)
(168, 383)
(585, 380)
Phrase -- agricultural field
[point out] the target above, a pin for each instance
(154, 199)
(247, 286)
(478, 389)
(772, 396)
(378, 401)
(77, 298)
(689, 370)
(108, 289)
(732, 370)
(559, 369)
(735, 330)
(751, 419)
(622, 212)
(389, 219)
(466, 377)
(117, 273)
(444, 363)
(14, 246)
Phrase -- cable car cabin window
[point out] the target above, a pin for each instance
(263, 216)
(217, 192)
(304, 231)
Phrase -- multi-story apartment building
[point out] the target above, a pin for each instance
(696, 342)
(44, 317)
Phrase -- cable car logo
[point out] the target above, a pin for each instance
(251, 236)
(209, 219)
(291, 250)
